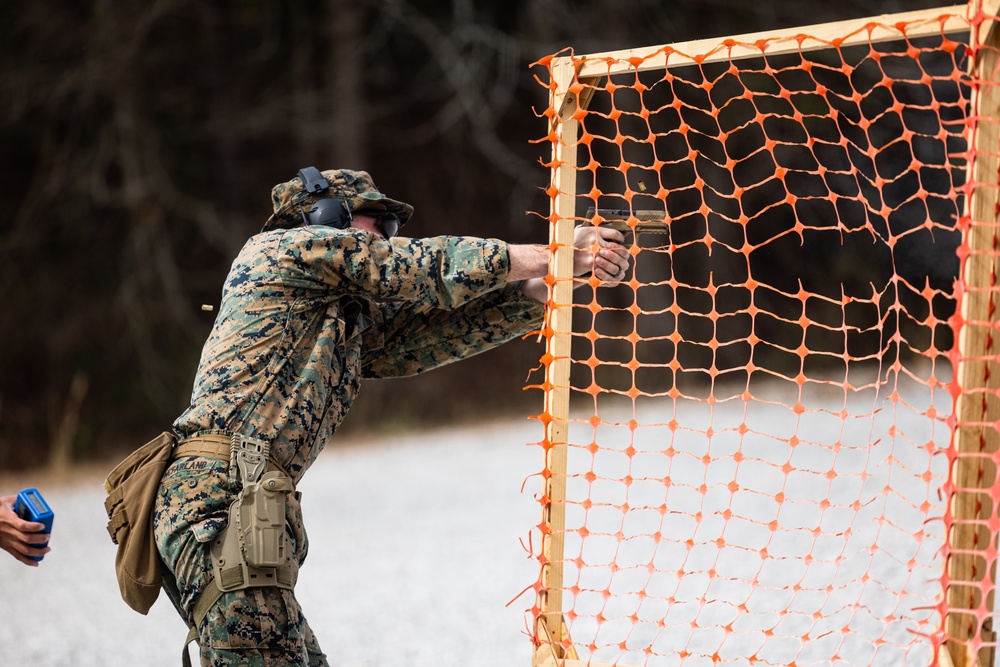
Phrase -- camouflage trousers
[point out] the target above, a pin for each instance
(254, 627)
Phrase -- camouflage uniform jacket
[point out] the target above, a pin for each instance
(306, 313)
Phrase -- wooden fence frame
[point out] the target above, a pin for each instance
(574, 80)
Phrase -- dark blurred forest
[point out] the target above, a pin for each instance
(141, 139)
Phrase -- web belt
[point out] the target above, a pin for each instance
(216, 446)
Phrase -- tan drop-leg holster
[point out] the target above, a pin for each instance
(254, 549)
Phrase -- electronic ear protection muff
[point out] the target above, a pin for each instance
(327, 211)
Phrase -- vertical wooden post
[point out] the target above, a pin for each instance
(971, 568)
(551, 631)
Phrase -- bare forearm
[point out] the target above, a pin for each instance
(535, 288)
(527, 261)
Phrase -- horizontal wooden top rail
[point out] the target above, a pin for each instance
(885, 27)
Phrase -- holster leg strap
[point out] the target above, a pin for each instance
(205, 601)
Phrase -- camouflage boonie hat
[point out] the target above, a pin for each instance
(354, 189)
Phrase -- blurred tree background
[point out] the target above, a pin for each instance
(141, 139)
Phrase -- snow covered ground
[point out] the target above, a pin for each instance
(415, 553)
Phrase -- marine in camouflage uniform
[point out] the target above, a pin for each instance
(307, 312)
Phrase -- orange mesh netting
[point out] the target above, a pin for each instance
(775, 442)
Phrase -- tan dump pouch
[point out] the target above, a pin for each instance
(132, 487)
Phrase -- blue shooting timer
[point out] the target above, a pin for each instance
(30, 506)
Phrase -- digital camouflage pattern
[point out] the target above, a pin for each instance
(306, 313)
(256, 627)
(355, 189)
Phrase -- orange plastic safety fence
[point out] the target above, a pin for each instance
(780, 442)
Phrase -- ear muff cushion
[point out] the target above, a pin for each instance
(329, 212)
